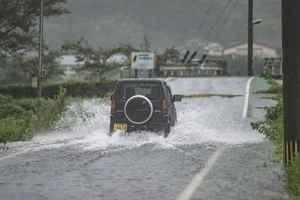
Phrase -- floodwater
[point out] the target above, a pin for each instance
(77, 160)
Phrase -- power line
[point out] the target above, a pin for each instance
(208, 10)
(225, 20)
(213, 7)
(219, 18)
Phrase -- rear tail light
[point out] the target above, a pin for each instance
(163, 104)
(113, 104)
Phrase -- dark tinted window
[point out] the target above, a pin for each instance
(152, 90)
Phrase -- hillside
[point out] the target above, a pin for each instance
(165, 22)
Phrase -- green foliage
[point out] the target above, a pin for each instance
(95, 59)
(22, 68)
(267, 75)
(5, 99)
(76, 89)
(293, 171)
(10, 110)
(51, 112)
(12, 71)
(20, 119)
(272, 127)
(14, 130)
(85, 52)
(19, 19)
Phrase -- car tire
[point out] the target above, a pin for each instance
(110, 133)
(167, 130)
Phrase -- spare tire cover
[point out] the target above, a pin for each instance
(138, 109)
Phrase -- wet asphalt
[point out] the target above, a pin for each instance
(135, 169)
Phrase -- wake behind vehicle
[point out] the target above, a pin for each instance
(143, 104)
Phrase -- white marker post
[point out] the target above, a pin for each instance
(247, 96)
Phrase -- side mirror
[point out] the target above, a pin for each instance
(177, 98)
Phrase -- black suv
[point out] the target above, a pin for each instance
(143, 104)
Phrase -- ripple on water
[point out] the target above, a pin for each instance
(200, 120)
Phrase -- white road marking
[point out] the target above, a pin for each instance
(246, 104)
(13, 155)
(198, 179)
(189, 191)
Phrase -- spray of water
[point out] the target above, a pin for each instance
(200, 120)
(210, 120)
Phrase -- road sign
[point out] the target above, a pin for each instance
(143, 60)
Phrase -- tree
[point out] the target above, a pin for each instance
(29, 65)
(18, 22)
(95, 59)
(22, 68)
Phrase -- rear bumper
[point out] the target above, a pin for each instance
(157, 122)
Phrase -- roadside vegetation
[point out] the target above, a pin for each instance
(22, 114)
(73, 89)
(273, 129)
(21, 118)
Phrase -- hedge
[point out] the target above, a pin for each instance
(77, 89)
(20, 119)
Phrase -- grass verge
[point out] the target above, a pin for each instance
(293, 173)
(21, 118)
(273, 128)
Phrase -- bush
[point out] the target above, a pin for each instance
(78, 89)
(293, 171)
(14, 130)
(20, 119)
(32, 104)
(10, 110)
(273, 129)
(272, 126)
(5, 99)
(49, 111)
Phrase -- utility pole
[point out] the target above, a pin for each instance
(291, 80)
(41, 46)
(250, 37)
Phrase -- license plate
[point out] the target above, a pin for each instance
(120, 126)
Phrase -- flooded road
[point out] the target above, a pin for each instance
(79, 161)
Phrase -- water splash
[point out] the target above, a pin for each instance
(199, 121)
(85, 123)
(82, 114)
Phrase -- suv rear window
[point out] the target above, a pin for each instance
(151, 90)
